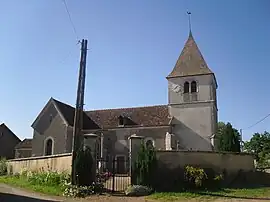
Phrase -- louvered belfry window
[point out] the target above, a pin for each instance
(186, 87)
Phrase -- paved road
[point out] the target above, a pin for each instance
(10, 194)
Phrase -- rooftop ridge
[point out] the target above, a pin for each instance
(123, 108)
(61, 102)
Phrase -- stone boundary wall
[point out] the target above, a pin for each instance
(231, 162)
(58, 163)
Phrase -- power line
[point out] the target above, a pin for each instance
(257, 122)
(70, 19)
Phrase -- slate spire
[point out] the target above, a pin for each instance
(190, 61)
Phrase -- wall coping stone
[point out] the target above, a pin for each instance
(135, 137)
(40, 157)
(212, 152)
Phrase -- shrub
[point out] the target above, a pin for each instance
(103, 177)
(218, 177)
(195, 176)
(145, 165)
(10, 170)
(82, 191)
(48, 178)
(138, 190)
(83, 165)
(3, 166)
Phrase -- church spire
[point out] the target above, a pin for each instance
(190, 62)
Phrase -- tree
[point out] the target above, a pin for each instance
(145, 165)
(259, 145)
(228, 138)
(84, 167)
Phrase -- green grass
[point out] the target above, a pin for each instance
(23, 183)
(208, 195)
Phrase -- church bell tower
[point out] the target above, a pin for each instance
(192, 99)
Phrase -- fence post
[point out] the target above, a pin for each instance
(113, 174)
(90, 141)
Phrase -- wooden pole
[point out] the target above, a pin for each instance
(78, 117)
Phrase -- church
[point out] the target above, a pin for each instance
(187, 122)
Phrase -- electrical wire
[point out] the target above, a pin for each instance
(257, 122)
(70, 19)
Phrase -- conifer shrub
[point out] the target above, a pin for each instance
(3, 166)
(83, 165)
(145, 167)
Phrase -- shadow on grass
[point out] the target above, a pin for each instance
(231, 196)
(4, 197)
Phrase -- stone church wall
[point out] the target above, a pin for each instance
(230, 162)
(171, 167)
(116, 141)
(59, 163)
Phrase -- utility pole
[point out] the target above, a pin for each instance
(78, 117)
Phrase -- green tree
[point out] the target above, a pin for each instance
(84, 167)
(259, 145)
(228, 138)
(145, 165)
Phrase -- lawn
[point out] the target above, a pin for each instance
(258, 193)
(22, 183)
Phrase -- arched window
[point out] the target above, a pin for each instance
(49, 147)
(186, 87)
(193, 87)
(149, 142)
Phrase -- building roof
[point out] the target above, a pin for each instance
(25, 144)
(140, 116)
(109, 118)
(190, 61)
(3, 125)
(68, 113)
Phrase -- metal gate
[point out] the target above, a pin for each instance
(113, 173)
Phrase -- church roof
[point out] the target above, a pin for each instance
(190, 61)
(140, 116)
(68, 113)
(109, 118)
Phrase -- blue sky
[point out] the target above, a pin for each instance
(133, 45)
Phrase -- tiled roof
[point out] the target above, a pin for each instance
(109, 118)
(190, 61)
(140, 116)
(69, 112)
(25, 144)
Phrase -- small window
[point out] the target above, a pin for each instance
(193, 87)
(51, 118)
(48, 147)
(149, 144)
(120, 120)
(186, 87)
